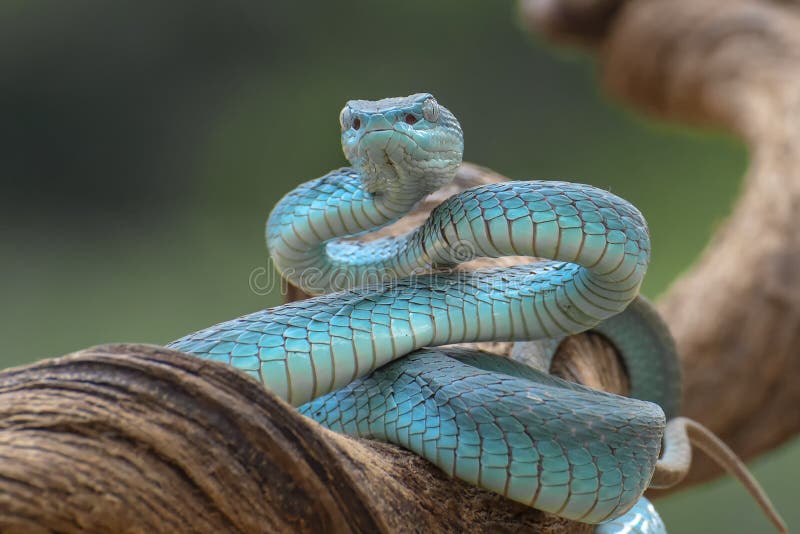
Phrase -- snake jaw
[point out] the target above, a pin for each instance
(380, 154)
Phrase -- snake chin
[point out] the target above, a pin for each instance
(393, 160)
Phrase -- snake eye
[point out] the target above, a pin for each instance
(356, 123)
(430, 110)
(410, 119)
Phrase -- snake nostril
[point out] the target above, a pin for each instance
(410, 119)
(356, 123)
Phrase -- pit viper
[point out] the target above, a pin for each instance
(362, 358)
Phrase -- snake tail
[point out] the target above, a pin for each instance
(681, 433)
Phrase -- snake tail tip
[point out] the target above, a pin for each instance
(714, 447)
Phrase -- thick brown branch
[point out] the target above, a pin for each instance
(736, 315)
(135, 438)
(579, 22)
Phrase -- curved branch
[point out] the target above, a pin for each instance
(136, 438)
(736, 314)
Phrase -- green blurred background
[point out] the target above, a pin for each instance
(143, 144)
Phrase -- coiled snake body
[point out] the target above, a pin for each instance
(358, 360)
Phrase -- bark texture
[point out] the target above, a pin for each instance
(736, 314)
(136, 438)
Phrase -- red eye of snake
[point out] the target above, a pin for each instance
(410, 119)
(356, 123)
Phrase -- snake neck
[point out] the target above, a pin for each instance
(304, 230)
(567, 222)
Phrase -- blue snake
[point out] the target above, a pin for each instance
(360, 358)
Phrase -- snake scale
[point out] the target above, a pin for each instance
(361, 357)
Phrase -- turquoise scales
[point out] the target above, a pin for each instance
(508, 428)
(401, 150)
(560, 447)
(553, 298)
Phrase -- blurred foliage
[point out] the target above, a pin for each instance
(142, 145)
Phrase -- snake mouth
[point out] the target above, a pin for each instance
(393, 131)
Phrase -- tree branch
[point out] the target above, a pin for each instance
(136, 438)
(736, 314)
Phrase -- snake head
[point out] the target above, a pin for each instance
(402, 145)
